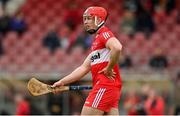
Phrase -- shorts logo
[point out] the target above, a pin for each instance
(98, 97)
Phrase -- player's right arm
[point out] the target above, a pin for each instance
(77, 74)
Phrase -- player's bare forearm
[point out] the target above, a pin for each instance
(77, 74)
(115, 48)
(114, 57)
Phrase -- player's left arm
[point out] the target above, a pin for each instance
(115, 48)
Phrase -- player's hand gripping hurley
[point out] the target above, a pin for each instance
(37, 88)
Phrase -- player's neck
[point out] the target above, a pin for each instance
(99, 29)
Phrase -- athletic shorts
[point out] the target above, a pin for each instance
(103, 98)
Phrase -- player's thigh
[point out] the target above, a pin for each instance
(113, 111)
(91, 111)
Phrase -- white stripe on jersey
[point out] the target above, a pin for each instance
(106, 35)
(104, 56)
(98, 97)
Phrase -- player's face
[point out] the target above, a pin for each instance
(89, 22)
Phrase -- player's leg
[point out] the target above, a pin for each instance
(113, 111)
(91, 111)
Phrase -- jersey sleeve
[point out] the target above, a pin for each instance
(105, 36)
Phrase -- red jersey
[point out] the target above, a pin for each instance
(100, 56)
(103, 88)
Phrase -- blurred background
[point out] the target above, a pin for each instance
(46, 39)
